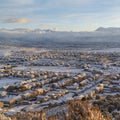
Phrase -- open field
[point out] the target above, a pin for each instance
(34, 79)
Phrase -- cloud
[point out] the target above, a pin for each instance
(44, 25)
(115, 18)
(17, 20)
(94, 24)
(65, 3)
(61, 14)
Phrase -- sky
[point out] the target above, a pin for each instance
(60, 15)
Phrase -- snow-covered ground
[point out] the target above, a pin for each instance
(58, 86)
(106, 50)
(9, 81)
(50, 69)
(5, 52)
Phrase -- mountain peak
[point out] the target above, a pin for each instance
(109, 29)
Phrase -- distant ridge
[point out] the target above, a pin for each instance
(39, 38)
(109, 29)
(25, 30)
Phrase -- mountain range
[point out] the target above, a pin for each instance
(39, 38)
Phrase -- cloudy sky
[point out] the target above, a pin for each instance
(63, 15)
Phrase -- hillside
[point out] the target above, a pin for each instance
(109, 29)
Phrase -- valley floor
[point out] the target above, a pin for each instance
(34, 79)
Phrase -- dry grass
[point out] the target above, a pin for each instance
(3, 117)
(109, 104)
(77, 110)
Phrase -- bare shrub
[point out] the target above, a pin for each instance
(79, 110)
(3, 117)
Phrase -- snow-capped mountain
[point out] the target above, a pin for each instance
(109, 29)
